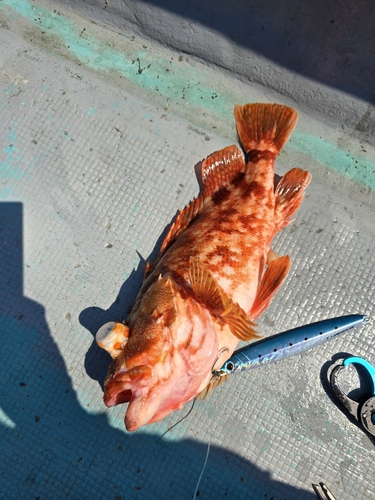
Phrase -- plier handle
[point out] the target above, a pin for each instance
(322, 492)
(362, 411)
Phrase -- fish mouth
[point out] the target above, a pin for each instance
(114, 398)
(125, 386)
(132, 387)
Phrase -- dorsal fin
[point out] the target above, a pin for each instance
(210, 293)
(148, 268)
(181, 222)
(220, 168)
(264, 127)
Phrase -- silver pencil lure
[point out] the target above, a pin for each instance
(288, 343)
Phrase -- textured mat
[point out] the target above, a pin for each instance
(90, 176)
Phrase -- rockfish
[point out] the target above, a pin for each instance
(214, 275)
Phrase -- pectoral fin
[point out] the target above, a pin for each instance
(272, 280)
(210, 293)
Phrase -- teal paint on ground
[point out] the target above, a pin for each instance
(324, 152)
(10, 166)
(139, 66)
(10, 149)
(12, 136)
(179, 83)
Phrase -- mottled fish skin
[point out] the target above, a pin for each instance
(214, 273)
(235, 251)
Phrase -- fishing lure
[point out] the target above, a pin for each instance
(288, 343)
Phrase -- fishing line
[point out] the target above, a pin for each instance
(179, 421)
(196, 492)
(208, 445)
(204, 465)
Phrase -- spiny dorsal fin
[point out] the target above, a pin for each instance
(210, 293)
(272, 280)
(220, 168)
(148, 269)
(182, 221)
(289, 195)
(264, 126)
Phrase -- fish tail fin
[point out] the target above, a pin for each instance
(289, 195)
(264, 127)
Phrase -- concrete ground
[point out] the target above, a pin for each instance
(100, 132)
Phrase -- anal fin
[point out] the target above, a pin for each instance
(289, 195)
(272, 280)
(210, 293)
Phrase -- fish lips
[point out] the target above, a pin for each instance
(125, 386)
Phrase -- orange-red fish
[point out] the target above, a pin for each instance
(214, 275)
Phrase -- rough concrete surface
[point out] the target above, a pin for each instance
(100, 132)
(319, 54)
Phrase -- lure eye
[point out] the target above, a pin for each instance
(112, 337)
(229, 366)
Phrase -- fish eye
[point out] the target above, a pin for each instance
(104, 332)
(112, 337)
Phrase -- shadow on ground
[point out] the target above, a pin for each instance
(327, 41)
(52, 448)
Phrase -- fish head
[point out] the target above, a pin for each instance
(163, 358)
